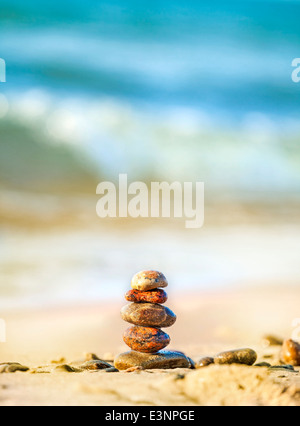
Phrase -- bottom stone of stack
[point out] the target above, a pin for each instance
(159, 360)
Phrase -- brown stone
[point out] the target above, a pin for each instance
(237, 356)
(150, 296)
(95, 365)
(12, 367)
(148, 315)
(262, 364)
(204, 362)
(146, 339)
(192, 363)
(286, 367)
(160, 360)
(65, 368)
(148, 280)
(291, 352)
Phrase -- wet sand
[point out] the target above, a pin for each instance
(207, 324)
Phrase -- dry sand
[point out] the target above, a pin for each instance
(206, 325)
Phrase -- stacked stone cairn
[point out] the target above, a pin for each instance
(148, 316)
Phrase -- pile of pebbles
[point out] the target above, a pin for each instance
(146, 338)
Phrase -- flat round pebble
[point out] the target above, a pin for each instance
(148, 315)
(148, 280)
(146, 339)
(111, 370)
(160, 360)
(237, 356)
(151, 296)
(282, 367)
(12, 368)
(262, 364)
(291, 352)
(204, 362)
(65, 368)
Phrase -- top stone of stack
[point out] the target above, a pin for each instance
(148, 280)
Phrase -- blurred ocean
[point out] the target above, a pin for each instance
(169, 90)
(173, 90)
(84, 266)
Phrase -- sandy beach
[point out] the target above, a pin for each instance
(229, 286)
(207, 323)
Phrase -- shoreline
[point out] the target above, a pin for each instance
(227, 317)
(189, 295)
(37, 211)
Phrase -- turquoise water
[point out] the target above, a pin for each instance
(173, 90)
(169, 90)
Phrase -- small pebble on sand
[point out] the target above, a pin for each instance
(291, 352)
(95, 365)
(65, 368)
(12, 368)
(111, 370)
(237, 356)
(204, 362)
(282, 367)
(262, 364)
